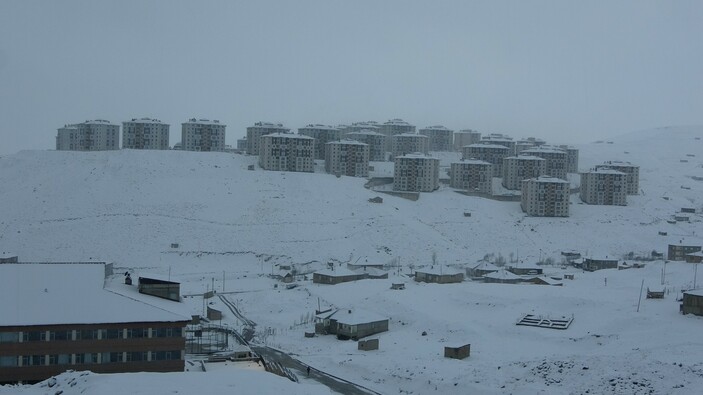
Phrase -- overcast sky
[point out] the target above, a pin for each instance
(565, 71)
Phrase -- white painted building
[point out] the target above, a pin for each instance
(203, 135)
(441, 138)
(259, 129)
(416, 173)
(472, 175)
(500, 139)
(545, 197)
(491, 153)
(407, 143)
(145, 133)
(604, 186)
(466, 137)
(322, 134)
(347, 158)
(395, 126)
(359, 126)
(555, 157)
(632, 171)
(572, 158)
(376, 142)
(519, 168)
(287, 152)
(96, 135)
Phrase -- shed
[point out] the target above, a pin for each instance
(443, 276)
(460, 352)
(544, 280)
(154, 286)
(288, 278)
(398, 286)
(8, 258)
(502, 276)
(368, 345)
(692, 302)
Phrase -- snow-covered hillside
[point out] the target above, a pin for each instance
(128, 206)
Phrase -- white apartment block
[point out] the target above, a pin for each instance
(555, 157)
(203, 135)
(393, 127)
(376, 142)
(441, 138)
(408, 143)
(145, 133)
(322, 134)
(242, 144)
(259, 129)
(97, 135)
(347, 158)
(604, 186)
(416, 173)
(527, 143)
(632, 171)
(500, 139)
(287, 152)
(466, 137)
(545, 197)
(519, 168)
(572, 158)
(472, 175)
(359, 126)
(491, 153)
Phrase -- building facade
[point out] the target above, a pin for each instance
(491, 153)
(393, 127)
(145, 133)
(604, 186)
(322, 134)
(359, 126)
(287, 152)
(408, 143)
(348, 158)
(96, 135)
(472, 175)
(632, 172)
(677, 251)
(203, 135)
(572, 158)
(440, 138)
(254, 133)
(545, 197)
(465, 137)
(416, 173)
(500, 139)
(523, 167)
(376, 142)
(555, 157)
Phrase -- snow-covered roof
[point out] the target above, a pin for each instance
(526, 157)
(695, 292)
(618, 163)
(355, 316)
(69, 293)
(685, 241)
(318, 127)
(502, 274)
(347, 142)
(549, 180)
(144, 120)
(203, 121)
(396, 121)
(422, 136)
(495, 138)
(467, 131)
(96, 122)
(492, 146)
(436, 127)
(444, 271)
(289, 136)
(544, 149)
(269, 125)
(365, 132)
(338, 272)
(699, 254)
(605, 170)
(486, 266)
(416, 155)
(472, 161)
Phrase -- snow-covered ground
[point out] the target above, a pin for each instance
(128, 206)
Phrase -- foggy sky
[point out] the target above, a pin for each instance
(565, 71)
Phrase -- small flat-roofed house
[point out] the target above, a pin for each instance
(692, 302)
(339, 275)
(502, 276)
(353, 323)
(598, 263)
(544, 280)
(439, 276)
(57, 316)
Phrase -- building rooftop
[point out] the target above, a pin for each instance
(69, 293)
(472, 161)
(203, 121)
(447, 271)
(605, 170)
(695, 292)
(486, 266)
(492, 146)
(526, 157)
(415, 135)
(95, 122)
(683, 241)
(269, 125)
(396, 121)
(337, 272)
(550, 180)
(502, 274)
(319, 127)
(416, 155)
(145, 120)
(347, 142)
(543, 149)
(618, 163)
(289, 136)
(355, 316)
(436, 127)
(366, 132)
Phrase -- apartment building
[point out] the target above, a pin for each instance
(572, 158)
(545, 197)
(500, 139)
(376, 142)
(555, 157)
(322, 134)
(395, 126)
(203, 135)
(242, 144)
(466, 137)
(440, 138)
(632, 171)
(95, 135)
(347, 158)
(254, 133)
(604, 187)
(145, 133)
(491, 153)
(359, 126)
(408, 143)
(472, 175)
(287, 152)
(416, 173)
(519, 168)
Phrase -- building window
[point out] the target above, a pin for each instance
(166, 355)
(33, 336)
(112, 334)
(136, 333)
(87, 334)
(111, 357)
(60, 335)
(9, 337)
(8, 360)
(137, 356)
(32, 360)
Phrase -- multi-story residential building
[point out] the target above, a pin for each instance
(408, 143)
(358, 127)
(472, 174)
(97, 135)
(145, 133)
(322, 134)
(393, 127)
(287, 152)
(500, 139)
(679, 248)
(632, 171)
(376, 142)
(466, 137)
(57, 316)
(545, 197)
(519, 168)
(441, 138)
(491, 153)
(416, 173)
(242, 144)
(203, 135)
(348, 158)
(555, 157)
(604, 186)
(572, 158)
(259, 129)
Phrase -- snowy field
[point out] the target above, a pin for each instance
(127, 207)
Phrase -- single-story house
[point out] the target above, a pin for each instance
(694, 257)
(593, 264)
(544, 280)
(502, 276)
(527, 270)
(439, 276)
(352, 323)
(692, 302)
(336, 276)
(482, 268)
(373, 273)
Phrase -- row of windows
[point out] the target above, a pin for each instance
(88, 334)
(88, 358)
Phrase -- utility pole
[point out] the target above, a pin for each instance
(223, 281)
(640, 299)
